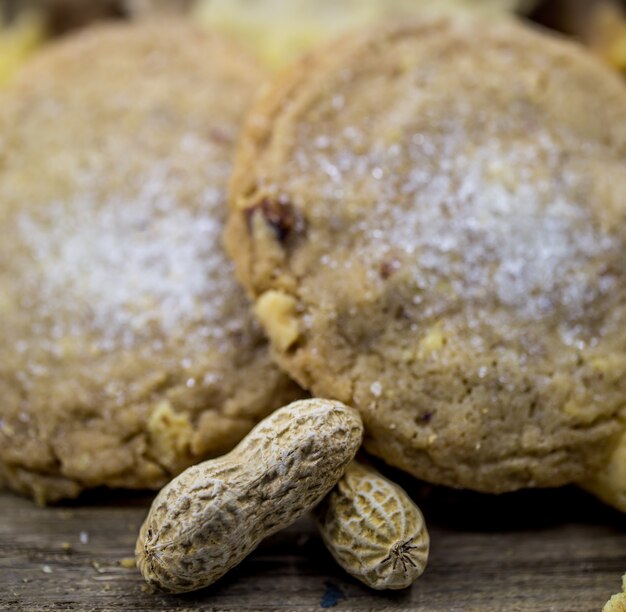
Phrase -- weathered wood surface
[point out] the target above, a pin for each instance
(534, 551)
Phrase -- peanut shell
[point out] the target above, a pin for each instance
(214, 514)
(373, 529)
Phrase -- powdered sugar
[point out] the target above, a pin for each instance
(491, 228)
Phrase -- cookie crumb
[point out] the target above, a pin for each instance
(617, 603)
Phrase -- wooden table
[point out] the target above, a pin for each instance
(530, 551)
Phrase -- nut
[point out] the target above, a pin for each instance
(214, 514)
(277, 313)
(170, 435)
(373, 529)
(609, 483)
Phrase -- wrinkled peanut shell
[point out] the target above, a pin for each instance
(373, 529)
(214, 514)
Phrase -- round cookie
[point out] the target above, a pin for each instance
(280, 30)
(127, 350)
(431, 218)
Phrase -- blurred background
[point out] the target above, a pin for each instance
(278, 30)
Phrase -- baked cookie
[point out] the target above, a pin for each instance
(431, 218)
(127, 351)
(18, 39)
(280, 30)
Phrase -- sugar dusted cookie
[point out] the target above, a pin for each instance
(280, 30)
(431, 218)
(127, 350)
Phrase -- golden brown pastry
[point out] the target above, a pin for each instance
(127, 351)
(431, 219)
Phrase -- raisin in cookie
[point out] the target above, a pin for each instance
(127, 350)
(431, 218)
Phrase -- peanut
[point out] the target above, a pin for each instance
(214, 514)
(609, 483)
(277, 313)
(373, 529)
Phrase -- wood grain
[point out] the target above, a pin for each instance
(530, 551)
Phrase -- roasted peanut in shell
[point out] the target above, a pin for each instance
(214, 514)
(373, 529)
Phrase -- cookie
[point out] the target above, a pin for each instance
(127, 349)
(280, 30)
(17, 41)
(430, 217)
